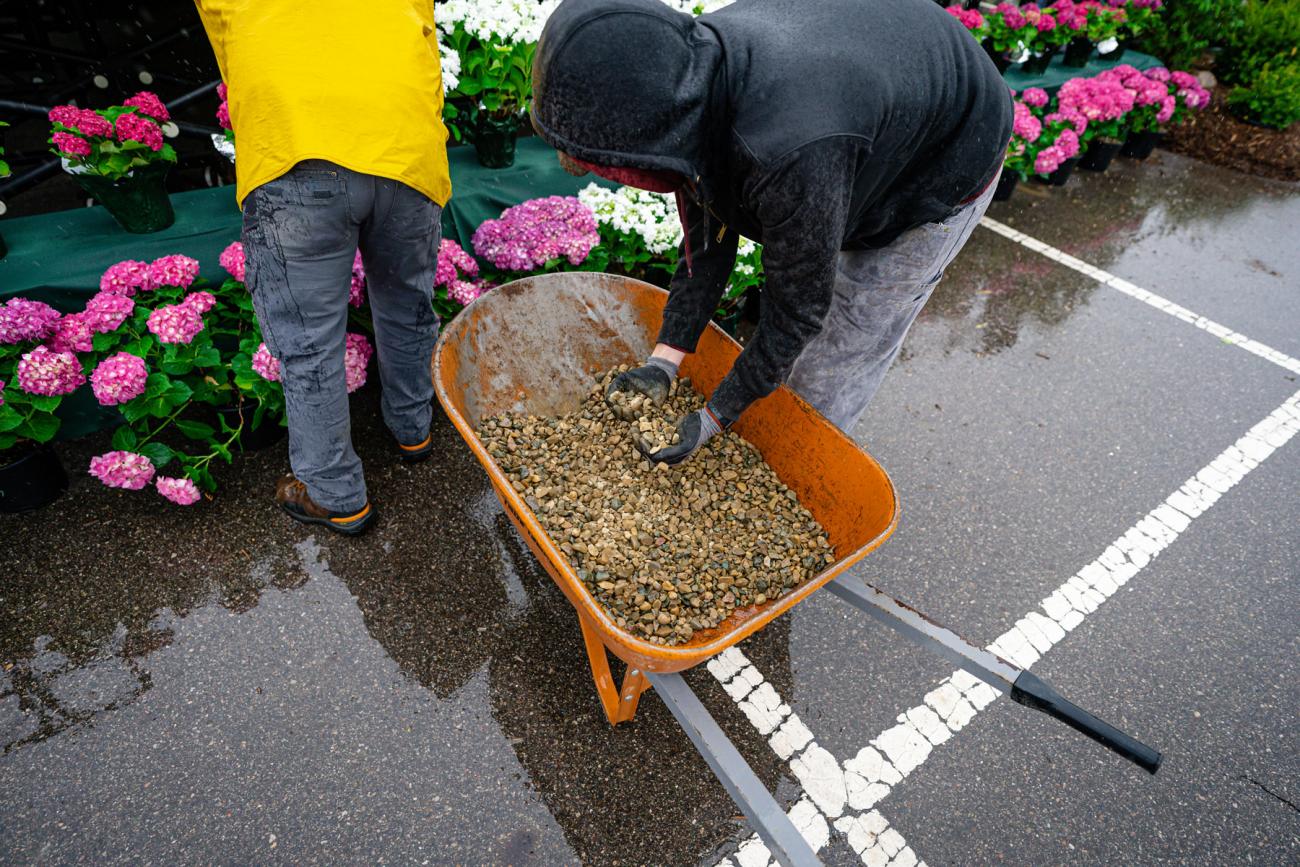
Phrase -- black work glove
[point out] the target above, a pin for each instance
(653, 379)
(693, 431)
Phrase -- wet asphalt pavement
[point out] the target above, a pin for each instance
(218, 685)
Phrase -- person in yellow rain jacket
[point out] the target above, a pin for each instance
(337, 112)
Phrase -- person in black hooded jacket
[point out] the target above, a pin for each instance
(858, 141)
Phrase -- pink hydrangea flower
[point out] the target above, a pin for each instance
(23, 320)
(118, 379)
(356, 355)
(135, 127)
(126, 470)
(173, 270)
(223, 115)
(464, 291)
(70, 144)
(265, 364)
(1166, 111)
(148, 103)
(182, 492)
(2, 392)
(452, 262)
(1024, 124)
(232, 259)
(1034, 97)
(107, 310)
(84, 120)
(1011, 16)
(44, 371)
(125, 277)
(1076, 120)
(222, 91)
(357, 288)
(64, 114)
(971, 19)
(175, 323)
(200, 301)
(531, 234)
(1158, 73)
(72, 334)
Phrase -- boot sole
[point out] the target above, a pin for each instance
(352, 525)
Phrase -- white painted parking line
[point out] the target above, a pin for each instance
(1223, 332)
(846, 796)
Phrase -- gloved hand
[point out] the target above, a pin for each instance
(653, 379)
(693, 432)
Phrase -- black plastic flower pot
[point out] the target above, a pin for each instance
(1113, 56)
(1062, 173)
(1038, 63)
(1077, 52)
(1139, 145)
(494, 141)
(31, 479)
(1006, 186)
(999, 58)
(267, 434)
(138, 202)
(1098, 156)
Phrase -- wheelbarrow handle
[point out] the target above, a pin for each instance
(1032, 691)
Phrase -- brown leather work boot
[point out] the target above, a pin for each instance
(292, 496)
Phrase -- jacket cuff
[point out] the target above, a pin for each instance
(730, 399)
(680, 332)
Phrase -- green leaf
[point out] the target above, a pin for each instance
(157, 453)
(40, 428)
(156, 384)
(141, 346)
(101, 342)
(10, 418)
(136, 409)
(202, 478)
(178, 367)
(124, 439)
(195, 430)
(207, 356)
(46, 402)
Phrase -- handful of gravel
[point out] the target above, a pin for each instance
(668, 551)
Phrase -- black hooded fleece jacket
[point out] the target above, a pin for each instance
(810, 126)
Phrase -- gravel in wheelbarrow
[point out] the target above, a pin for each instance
(666, 551)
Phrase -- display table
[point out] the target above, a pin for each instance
(58, 258)
(1058, 73)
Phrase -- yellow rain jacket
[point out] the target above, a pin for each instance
(358, 84)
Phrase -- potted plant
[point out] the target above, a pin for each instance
(1104, 101)
(1005, 30)
(539, 236)
(973, 21)
(224, 141)
(37, 370)
(493, 42)
(1105, 25)
(1026, 129)
(1153, 106)
(1073, 21)
(456, 281)
(118, 155)
(1040, 38)
(1056, 152)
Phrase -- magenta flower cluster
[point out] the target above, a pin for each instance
(454, 267)
(72, 334)
(107, 310)
(356, 356)
(1100, 98)
(357, 288)
(971, 19)
(1024, 123)
(265, 364)
(182, 492)
(125, 277)
(118, 379)
(22, 320)
(538, 231)
(1050, 158)
(232, 259)
(119, 469)
(149, 104)
(174, 270)
(1072, 16)
(223, 110)
(47, 372)
(82, 126)
(177, 323)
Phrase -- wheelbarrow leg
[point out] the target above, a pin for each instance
(620, 705)
(783, 839)
(1023, 686)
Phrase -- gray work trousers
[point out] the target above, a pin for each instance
(301, 232)
(878, 294)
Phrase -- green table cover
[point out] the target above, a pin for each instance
(1058, 73)
(58, 258)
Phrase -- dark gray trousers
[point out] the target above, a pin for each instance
(878, 295)
(301, 231)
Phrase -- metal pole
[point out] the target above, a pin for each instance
(784, 841)
(1023, 687)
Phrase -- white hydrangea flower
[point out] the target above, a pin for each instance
(450, 68)
(504, 21)
(652, 216)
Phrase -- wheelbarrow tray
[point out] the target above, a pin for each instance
(536, 346)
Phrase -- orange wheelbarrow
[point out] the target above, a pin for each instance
(535, 345)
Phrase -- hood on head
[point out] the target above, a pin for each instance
(627, 84)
